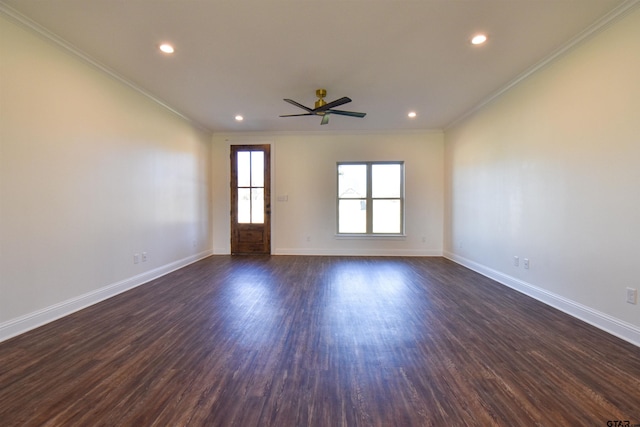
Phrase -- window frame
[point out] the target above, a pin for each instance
(369, 199)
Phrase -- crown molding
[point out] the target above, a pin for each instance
(600, 25)
(30, 25)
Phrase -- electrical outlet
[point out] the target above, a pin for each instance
(136, 258)
(526, 263)
(145, 258)
(632, 296)
(516, 261)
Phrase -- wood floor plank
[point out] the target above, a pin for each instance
(319, 341)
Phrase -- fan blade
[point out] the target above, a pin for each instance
(332, 104)
(297, 104)
(297, 115)
(347, 113)
(325, 119)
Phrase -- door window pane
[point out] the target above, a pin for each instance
(257, 169)
(257, 205)
(353, 216)
(244, 205)
(244, 169)
(385, 180)
(352, 181)
(386, 216)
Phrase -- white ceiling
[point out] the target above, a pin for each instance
(389, 56)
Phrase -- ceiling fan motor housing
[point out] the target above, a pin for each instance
(320, 93)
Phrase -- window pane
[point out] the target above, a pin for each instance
(386, 216)
(244, 168)
(386, 180)
(352, 216)
(257, 169)
(244, 206)
(257, 205)
(352, 181)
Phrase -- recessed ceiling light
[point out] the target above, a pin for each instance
(239, 118)
(479, 39)
(166, 48)
(412, 114)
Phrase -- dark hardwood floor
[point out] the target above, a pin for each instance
(319, 341)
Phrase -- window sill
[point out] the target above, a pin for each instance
(370, 236)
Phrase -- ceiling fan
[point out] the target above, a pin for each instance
(324, 109)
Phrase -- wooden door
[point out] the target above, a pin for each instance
(250, 199)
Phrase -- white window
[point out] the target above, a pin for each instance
(371, 198)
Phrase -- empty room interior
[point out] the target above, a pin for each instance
(338, 213)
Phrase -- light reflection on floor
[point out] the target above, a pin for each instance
(359, 304)
(254, 311)
(370, 303)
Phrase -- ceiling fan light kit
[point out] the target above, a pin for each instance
(324, 109)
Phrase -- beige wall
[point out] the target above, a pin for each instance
(91, 172)
(550, 172)
(304, 170)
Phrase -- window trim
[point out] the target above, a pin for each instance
(369, 234)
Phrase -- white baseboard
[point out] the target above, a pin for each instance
(607, 323)
(356, 252)
(343, 252)
(46, 315)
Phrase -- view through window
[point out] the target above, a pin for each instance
(371, 198)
